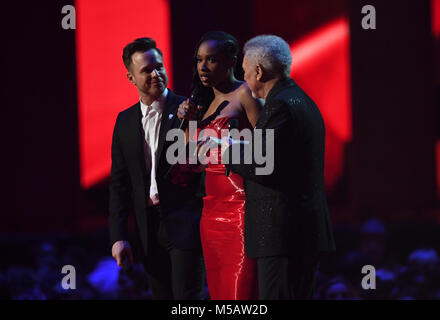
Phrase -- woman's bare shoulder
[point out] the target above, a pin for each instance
(243, 93)
(244, 89)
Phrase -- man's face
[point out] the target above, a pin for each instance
(250, 76)
(148, 73)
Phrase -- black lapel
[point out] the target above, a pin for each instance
(168, 121)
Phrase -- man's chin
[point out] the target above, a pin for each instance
(157, 91)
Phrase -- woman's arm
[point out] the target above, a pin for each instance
(251, 105)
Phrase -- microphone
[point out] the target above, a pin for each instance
(194, 99)
(233, 124)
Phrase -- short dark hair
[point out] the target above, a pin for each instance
(141, 45)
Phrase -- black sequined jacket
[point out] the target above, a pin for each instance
(286, 211)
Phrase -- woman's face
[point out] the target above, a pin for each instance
(213, 67)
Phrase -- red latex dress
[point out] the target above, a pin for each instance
(230, 274)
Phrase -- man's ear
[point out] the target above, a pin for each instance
(130, 77)
(259, 71)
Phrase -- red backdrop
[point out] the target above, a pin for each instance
(103, 29)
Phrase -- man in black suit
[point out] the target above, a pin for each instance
(287, 226)
(167, 215)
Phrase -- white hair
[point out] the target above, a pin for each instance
(271, 52)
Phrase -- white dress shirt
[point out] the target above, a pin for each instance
(151, 118)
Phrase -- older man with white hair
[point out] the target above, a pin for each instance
(287, 225)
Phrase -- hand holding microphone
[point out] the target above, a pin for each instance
(189, 109)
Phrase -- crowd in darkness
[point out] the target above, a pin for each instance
(402, 270)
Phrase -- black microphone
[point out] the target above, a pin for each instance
(194, 99)
(233, 124)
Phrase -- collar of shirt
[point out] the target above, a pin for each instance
(157, 105)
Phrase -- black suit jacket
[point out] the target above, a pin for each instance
(130, 182)
(286, 211)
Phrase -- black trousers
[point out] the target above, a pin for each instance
(173, 274)
(287, 277)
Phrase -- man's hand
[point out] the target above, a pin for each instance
(188, 110)
(121, 249)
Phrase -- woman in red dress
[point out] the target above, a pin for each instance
(230, 274)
